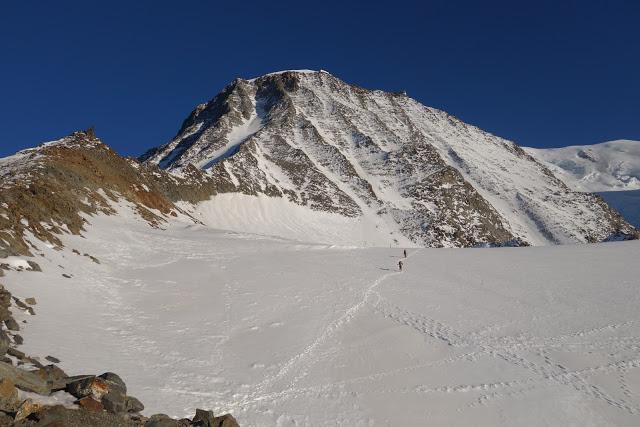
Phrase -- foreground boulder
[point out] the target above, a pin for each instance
(101, 401)
(61, 416)
(115, 399)
(55, 377)
(9, 401)
(87, 386)
(133, 405)
(24, 380)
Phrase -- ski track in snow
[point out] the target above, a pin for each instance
(283, 333)
(300, 359)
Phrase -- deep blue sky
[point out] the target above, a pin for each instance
(540, 73)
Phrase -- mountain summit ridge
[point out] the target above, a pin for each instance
(416, 173)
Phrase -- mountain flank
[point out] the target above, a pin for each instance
(421, 176)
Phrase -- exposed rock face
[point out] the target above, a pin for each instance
(45, 191)
(334, 147)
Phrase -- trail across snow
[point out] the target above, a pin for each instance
(284, 333)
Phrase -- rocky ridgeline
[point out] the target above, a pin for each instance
(50, 190)
(34, 394)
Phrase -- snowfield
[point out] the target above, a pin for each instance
(283, 333)
(609, 166)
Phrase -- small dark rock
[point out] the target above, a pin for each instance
(203, 418)
(225, 420)
(19, 303)
(68, 276)
(133, 405)
(17, 339)
(16, 353)
(90, 404)
(11, 324)
(30, 301)
(87, 385)
(114, 401)
(55, 377)
(162, 420)
(92, 258)
(34, 361)
(114, 397)
(52, 359)
(33, 266)
(4, 342)
(115, 379)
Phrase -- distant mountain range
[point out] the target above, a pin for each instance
(611, 169)
(303, 155)
(609, 166)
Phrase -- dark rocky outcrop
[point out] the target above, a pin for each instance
(101, 401)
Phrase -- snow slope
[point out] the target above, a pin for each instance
(609, 166)
(414, 171)
(278, 217)
(282, 333)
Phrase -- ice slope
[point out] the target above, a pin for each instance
(281, 333)
(330, 146)
(609, 166)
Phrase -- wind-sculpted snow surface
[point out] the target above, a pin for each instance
(415, 172)
(281, 333)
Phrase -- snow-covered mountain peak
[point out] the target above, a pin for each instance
(403, 172)
(276, 73)
(609, 166)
